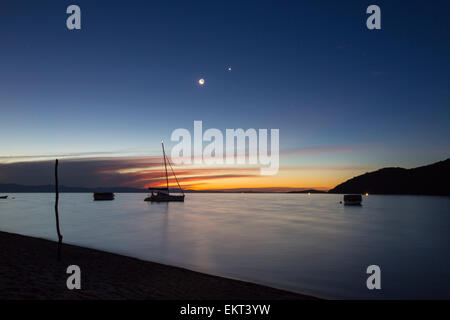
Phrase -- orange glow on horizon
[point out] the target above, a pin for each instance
(242, 178)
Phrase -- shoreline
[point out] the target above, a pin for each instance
(29, 270)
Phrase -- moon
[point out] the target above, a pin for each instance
(201, 81)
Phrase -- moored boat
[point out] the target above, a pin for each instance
(352, 199)
(163, 194)
(3, 197)
(99, 196)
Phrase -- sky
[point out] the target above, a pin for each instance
(346, 100)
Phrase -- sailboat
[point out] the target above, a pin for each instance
(163, 194)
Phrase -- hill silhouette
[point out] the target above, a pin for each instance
(433, 179)
(308, 191)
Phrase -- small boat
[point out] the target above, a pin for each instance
(163, 194)
(3, 197)
(160, 195)
(352, 199)
(99, 196)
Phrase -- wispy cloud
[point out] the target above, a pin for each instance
(88, 169)
(66, 156)
(136, 172)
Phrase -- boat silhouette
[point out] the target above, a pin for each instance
(102, 196)
(352, 199)
(162, 194)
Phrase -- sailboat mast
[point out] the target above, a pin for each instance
(165, 166)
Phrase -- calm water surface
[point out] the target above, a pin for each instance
(309, 244)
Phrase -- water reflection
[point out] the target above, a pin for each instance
(310, 244)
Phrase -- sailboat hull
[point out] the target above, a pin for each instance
(164, 198)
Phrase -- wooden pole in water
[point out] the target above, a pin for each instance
(56, 210)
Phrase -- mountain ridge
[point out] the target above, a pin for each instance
(431, 179)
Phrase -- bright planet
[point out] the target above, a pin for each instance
(201, 81)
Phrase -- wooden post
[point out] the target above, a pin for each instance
(56, 210)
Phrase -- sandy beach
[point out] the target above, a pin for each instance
(29, 270)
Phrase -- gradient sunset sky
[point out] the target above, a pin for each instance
(346, 100)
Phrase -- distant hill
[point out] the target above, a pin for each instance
(17, 188)
(308, 191)
(433, 179)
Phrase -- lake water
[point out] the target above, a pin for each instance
(308, 244)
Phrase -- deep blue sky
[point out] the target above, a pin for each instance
(311, 69)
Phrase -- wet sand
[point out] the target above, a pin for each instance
(29, 269)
